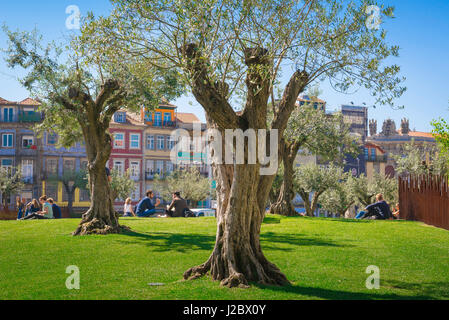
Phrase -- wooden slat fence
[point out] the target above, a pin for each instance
(426, 199)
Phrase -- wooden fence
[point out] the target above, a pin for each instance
(425, 199)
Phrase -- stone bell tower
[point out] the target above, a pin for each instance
(372, 127)
(405, 126)
(389, 128)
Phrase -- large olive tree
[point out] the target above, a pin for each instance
(81, 86)
(231, 54)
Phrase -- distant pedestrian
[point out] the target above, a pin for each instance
(57, 214)
(128, 209)
(21, 206)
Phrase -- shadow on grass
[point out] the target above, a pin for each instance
(329, 294)
(296, 240)
(161, 242)
(437, 290)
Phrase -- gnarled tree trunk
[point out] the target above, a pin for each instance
(284, 204)
(242, 193)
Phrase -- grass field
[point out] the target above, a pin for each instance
(323, 258)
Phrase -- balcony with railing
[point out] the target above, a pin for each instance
(372, 158)
(31, 117)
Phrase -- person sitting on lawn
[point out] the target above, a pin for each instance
(396, 211)
(377, 211)
(146, 208)
(128, 209)
(20, 203)
(178, 207)
(46, 213)
(32, 207)
(56, 209)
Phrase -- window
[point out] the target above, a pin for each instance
(120, 117)
(158, 119)
(169, 167)
(160, 167)
(149, 116)
(52, 139)
(119, 166)
(366, 153)
(83, 165)
(27, 142)
(134, 141)
(167, 118)
(51, 190)
(135, 170)
(69, 165)
(136, 193)
(170, 143)
(7, 140)
(160, 142)
(8, 114)
(150, 142)
(27, 171)
(52, 166)
(84, 195)
(7, 165)
(119, 140)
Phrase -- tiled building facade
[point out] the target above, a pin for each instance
(142, 143)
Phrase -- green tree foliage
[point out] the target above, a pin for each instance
(121, 184)
(312, 180)
(10, 182)
(192, 185)
(232, 54)
(339, 198)
(413, 160)
(365, 190)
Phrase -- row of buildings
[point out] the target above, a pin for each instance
(377, 148)
(141, 143)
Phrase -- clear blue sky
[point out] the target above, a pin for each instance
(421, 29)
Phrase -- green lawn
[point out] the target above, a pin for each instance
(323, 258)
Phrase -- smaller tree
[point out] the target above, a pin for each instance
(413, 160)
(312, 180)
(121, 184)
(71, 180)
(364, 189)
(190, 183)
(10, 183)
(339, 198)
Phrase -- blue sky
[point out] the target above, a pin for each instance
(421, 29)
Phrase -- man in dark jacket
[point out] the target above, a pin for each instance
(56, 209)
(379, 210)
(178, 207)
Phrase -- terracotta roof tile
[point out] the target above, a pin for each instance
(187, 117)
(3, 101)
(30, 102)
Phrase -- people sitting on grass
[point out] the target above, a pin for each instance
(396, 212)
(178, 207)
(128, 209)
(376, 211)
(46, 213)
(21, 204)
(32, 207)
(57, 214)
(145, 208)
